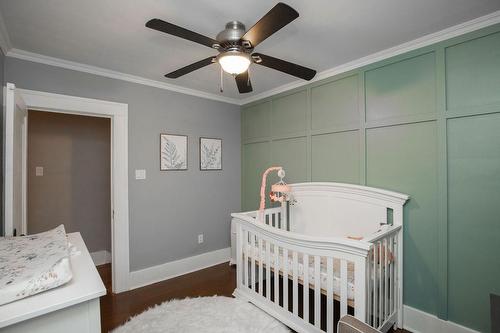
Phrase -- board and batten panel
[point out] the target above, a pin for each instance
(256, 121)
(404, 158)
(291, 155)
(403, 88)
(335, 157)
(288, 114)
(474, 218)
(473, 72)
(335, 104)
(256, 159)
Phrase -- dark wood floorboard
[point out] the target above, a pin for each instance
(116, 309)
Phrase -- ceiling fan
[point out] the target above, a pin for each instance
(235, 46)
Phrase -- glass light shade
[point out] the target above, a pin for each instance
(234, 62)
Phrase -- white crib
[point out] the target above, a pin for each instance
(301, 267)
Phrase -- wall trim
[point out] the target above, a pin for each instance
(57, 62)
(101, 257)
(418, 321)
(179, 267)
(5, 44)
(442, 35)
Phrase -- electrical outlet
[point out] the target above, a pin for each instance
(200, 238)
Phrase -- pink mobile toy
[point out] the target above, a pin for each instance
(278, 191)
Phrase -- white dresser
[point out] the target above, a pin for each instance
(73, 307)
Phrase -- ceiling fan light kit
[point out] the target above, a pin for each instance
(234, 62)
(235, 46)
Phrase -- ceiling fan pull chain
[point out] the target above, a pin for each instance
(221, 87)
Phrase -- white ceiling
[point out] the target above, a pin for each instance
(111, 33)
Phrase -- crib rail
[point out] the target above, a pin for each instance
(301, 280)
(383, 291)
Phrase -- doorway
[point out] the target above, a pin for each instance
(18, 101)
(69, 178)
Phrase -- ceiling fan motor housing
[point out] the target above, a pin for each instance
(230, 38)
(233, 32)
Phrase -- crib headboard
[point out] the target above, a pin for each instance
(337, 209)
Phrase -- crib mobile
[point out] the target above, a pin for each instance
(280, 191)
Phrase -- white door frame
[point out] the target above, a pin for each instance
(12, 102)
(118, 113)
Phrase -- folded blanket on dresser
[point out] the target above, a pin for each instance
(32, 264)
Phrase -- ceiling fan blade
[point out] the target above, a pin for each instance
(175, 30)
(189, 68)
(279, 16)
(243, 83)
(284, 66)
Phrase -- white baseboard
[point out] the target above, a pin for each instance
(101, 257)
(417, 321)
(172, 269)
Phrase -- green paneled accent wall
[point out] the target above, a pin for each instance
(291, 152)
(426, 123)
(288, 114)
(473, 72)
(474, 215)
(335, 104)
(403, 88)
(335, 157)
(256, 121)
(257, 158)
(403, 158)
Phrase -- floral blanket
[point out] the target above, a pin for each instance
(32, 264)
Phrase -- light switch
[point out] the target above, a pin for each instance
(39, 171)
(140, 174)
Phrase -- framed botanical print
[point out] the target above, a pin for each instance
(210, 154)
(173, 152)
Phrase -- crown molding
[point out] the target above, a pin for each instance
(442, 35)
(57, 62)
(5, 44)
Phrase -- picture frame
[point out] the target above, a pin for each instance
(210, 153)
(173, 152)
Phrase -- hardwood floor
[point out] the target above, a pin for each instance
(117, 308)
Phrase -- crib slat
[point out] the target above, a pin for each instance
(391, 239)
(329, 295)
(386, 281)
(261, 261)
(305, 264)
(268, 270)
(238, 255)
(375, 292)
(370, 291)
(283, 215)
(276, 274)
(317, 291)
(253, 258)
(295, 288)
(343, 288)
(396, 274)
(245, 259)
(380, 286)
(285, 279)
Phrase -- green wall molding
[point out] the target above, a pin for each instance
(391, 124)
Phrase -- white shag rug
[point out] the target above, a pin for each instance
(203, 314)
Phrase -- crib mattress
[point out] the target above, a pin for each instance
(256, 255)
(33, 264)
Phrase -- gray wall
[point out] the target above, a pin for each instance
(2, 82)
(75, 154)
(168, 209)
